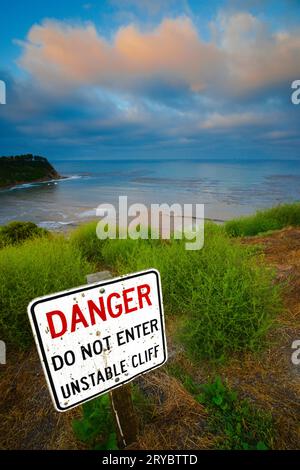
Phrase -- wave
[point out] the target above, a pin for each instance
(86, 214)
(39, 183)
(72, 177)
(55, 225)
(21, 186)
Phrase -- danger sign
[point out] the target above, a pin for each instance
(100, 336)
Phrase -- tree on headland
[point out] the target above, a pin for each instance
(25, 168)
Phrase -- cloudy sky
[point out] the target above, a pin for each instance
(150, 78)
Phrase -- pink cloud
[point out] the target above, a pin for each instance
(61, 54)
(243, 56)
(256, 56)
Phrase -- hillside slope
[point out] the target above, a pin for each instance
(269, 380)
(25, 169)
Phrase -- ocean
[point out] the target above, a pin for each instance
(227, 188)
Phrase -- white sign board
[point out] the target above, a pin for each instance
(100, 336)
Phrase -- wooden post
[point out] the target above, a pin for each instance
(121, 398)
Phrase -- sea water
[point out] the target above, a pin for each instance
(228, 188)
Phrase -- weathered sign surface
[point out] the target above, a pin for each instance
(97, 337)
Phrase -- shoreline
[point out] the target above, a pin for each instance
(66, 227)
(39, 180)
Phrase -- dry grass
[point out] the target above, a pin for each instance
(28, 419)
(178, 422)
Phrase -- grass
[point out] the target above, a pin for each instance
(240, 425)
(275, 218)
(143, 405)
(96, 428)
(236, 423)
(176, 370)
(35, 268)
(226, 296)
(84, 239)
(223, 294)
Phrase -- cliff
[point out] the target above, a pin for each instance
(25, 169)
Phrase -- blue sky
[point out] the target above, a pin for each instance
(150, 79)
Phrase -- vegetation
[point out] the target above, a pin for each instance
(239, 424)
(25, 168)
(226, 296)
(236, 422)
(17, 232)
(176, 370)
(85, 240)
(276, 218)
(96, 427)
(35, 268)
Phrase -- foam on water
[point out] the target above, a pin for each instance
(86, 214)
(54, 225)
(39, 183)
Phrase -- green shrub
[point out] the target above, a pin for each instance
(96, 427)
(17, 232)
(227, 298)
(239, 424)
(263, 221)
(36, 268)
(85, 240)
